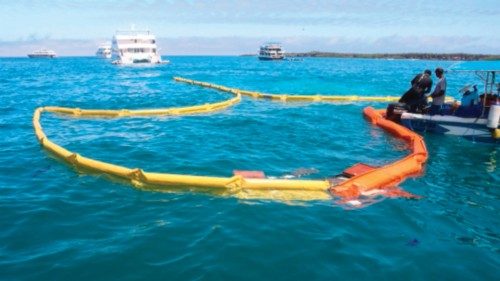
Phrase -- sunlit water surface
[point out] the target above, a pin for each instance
(61, 224)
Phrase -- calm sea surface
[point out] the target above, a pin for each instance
(59, 224)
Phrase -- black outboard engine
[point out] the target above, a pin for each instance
(395, 110)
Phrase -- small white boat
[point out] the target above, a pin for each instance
(104, 51)
(271, 51)
(476, 119)
(42, 53)
(135, 46)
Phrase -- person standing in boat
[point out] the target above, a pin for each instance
(439, 93)
(415, 97)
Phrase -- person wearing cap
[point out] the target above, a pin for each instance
(415, 97)
(439, 93)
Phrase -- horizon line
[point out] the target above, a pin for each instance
(307, 52)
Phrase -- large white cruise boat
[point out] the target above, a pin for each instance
(42, 53)
(134, 46)
(104, 51)
(271, 51)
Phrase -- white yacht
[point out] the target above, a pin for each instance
(104, 51)
(271, 51)
(134, 46)
(42, 53)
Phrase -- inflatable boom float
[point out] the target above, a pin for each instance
(353, 184)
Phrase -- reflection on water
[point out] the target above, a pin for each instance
(491, 164)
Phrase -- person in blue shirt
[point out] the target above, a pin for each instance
(469, 97)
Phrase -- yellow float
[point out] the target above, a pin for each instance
(294, 98)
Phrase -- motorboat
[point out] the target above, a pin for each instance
(42, 53)
(476, 117)
(271, 51)
(135, 47)
(104, 51)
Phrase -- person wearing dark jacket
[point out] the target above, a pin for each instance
(415, 97)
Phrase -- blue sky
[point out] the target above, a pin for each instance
(236, 27)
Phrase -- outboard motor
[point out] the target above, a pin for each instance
(395, 110)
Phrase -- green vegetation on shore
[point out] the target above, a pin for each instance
(422, 56)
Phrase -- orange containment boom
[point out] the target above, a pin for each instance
(384, 179)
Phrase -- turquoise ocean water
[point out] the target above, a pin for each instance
(59, 224)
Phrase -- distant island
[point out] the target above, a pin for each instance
(418, 56)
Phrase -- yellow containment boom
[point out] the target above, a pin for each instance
(238, 186)
(294, 98)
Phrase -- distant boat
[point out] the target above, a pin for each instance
(104, 51)
(42, 53)
(135, 46)
(271, 51)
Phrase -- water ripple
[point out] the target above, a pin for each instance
(58, 223)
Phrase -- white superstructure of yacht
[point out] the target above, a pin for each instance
(42, 53)
(104, 51)
(271, 51)
(134, 46)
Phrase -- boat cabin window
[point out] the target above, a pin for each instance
(140, 50)
(136, 41)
